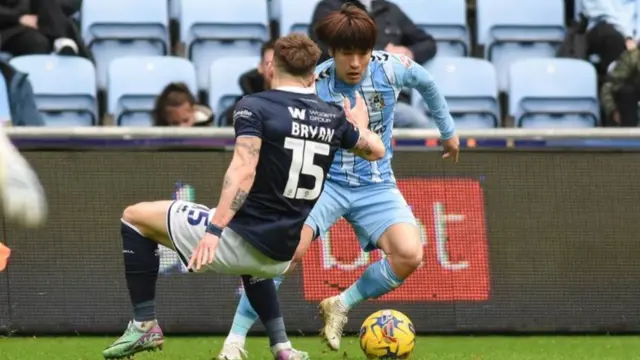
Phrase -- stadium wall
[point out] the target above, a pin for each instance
(515, 241)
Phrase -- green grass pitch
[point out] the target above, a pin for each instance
(428, 348)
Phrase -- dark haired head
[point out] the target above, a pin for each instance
(350, 28)
(296, 55)
(266, 47)
(174, 106)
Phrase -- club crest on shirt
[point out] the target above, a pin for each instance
(376, 102)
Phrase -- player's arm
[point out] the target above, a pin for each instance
(357, 137)
(241, 173)
(369, 145)
(409, 74)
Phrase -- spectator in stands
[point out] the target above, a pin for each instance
(254, 81)
(40, 27)
(613, 28)
(177, 106)
(621, 91)
(396, 34)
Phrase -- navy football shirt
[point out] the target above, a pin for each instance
(300, 135)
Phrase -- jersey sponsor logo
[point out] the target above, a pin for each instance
(296, 113)
(451, 217)
(244, 113)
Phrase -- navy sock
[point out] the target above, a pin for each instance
(141, 265)
(263, 298)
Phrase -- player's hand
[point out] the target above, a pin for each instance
(204, 253)
(358, 115)
(29, 21)
(451, 148)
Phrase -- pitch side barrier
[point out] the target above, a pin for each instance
(533, 231)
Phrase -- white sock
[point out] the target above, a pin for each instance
(140, 324)
(275, 349)
(235, 339)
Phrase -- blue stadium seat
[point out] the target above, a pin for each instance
(471, 89)
(295, 15)
(553, 93)
(64, 88)
(117, 28)
(224, 85)
(513, 30)
(135, 82)
(445, 20)
(215, 29)
(5, 108)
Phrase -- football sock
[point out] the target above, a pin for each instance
(141, 265)
(263, 297)
(245, 317)
(377, 280)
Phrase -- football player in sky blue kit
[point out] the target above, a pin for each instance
(363, 192)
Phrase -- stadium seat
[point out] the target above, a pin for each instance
(553, 93)
(214, 29)
(446, 21)
(64, 88)
(5, 108)
(135, 82)
(471, 89)
(118, 28)
(513, 30)
(224, 88)
(295, 15)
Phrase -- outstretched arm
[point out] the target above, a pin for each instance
(410, 74)
(238, 179)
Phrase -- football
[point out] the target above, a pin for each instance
(387, 334)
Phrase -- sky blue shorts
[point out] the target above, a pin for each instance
(370, 210)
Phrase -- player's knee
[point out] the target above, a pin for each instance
(414, 259)
(131, 214)
(409, 256)
(137, 216)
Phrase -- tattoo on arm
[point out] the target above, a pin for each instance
(363, 145)
(250, 145)
(238, 200)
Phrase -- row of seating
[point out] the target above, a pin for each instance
(509, 30)
(542, 92)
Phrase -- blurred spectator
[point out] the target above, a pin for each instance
(40, 27)
(621, 91)
(396, 34)
(22, 101)
(613, 27)
(176, 106)
(254, 81)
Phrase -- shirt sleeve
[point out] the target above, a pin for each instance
(409, 74)
(350, 137)
(246, 119)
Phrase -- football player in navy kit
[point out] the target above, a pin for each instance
(285, 142)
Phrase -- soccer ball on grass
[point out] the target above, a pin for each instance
(387, 334)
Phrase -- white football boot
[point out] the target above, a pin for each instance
(23, 198)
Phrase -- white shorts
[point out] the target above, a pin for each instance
(186, 225)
